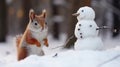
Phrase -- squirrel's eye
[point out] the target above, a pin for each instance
(35, 23)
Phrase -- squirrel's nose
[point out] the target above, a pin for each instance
(76, 14)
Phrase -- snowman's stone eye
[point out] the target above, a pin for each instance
(78, 29)
(79, 24)
(90, 25)
(82, 10)
(81, 36)
(80, 33)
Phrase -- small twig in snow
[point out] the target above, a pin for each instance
(55, 55)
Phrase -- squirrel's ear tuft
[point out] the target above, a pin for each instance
(31, 14)
(44, 13)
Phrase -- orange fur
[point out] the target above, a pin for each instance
(22, 52)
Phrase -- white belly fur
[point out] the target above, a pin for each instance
(32, 49)
(40, 35)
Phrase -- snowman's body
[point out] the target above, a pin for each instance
(89, 43)
(86, 31)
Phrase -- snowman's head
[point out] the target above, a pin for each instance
(85, 13)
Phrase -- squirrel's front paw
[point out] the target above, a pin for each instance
(38, 45)
(46, 42)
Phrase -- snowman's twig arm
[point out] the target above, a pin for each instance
(103, 27)
(106, 27)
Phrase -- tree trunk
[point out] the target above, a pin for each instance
(116, 18)
(2, 20)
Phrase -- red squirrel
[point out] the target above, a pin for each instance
(34, 37)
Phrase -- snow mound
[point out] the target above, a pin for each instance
(72, 58)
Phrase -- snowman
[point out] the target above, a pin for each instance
(86, 30)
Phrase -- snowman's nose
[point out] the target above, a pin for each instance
(76, 14)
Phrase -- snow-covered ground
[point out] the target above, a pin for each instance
(72, 58)
(64, 58)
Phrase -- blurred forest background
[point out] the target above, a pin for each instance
(14, 15)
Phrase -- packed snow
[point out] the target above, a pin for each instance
(72, 58)
(57, 57)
